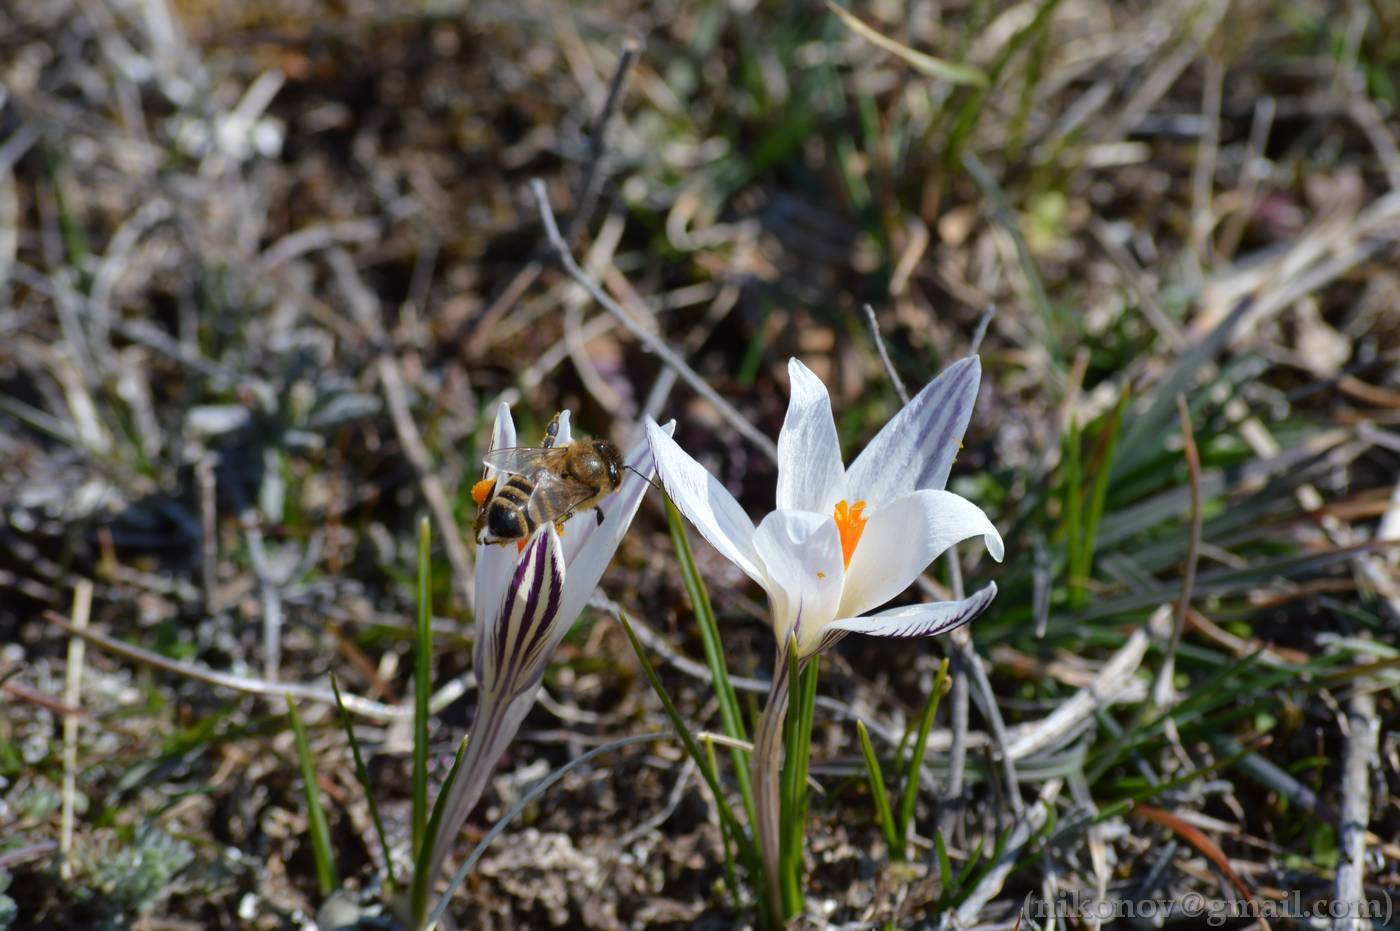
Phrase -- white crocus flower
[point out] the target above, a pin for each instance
(526, 601)
(843, 542)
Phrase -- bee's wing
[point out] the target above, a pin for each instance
(561, 494)
(522, 460)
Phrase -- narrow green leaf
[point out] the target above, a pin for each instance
(916, 762)
(528, 798)
(798, 752)
(362, 774)
(1001, 211)
(746, 844)
(878, 795)
(966, 872)
(731, 876)
(1142, 438)
(973, 103)
(945, 866)
(788, 816)
(1072, 504)
(422, 685)
(315, 815)
(422, 863)
(1103, 469)
(731, 713)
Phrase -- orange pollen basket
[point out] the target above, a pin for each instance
(850, 523)
(482, 490)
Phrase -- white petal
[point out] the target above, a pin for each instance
(705, 502)
(900, 540)
(801, 554)
(810, 474)
(923, 620)
(589, 545)
(915, 450)
(493, 728)
(494, 563)
(512, 652)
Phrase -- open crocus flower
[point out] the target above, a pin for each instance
(843, 542)
(526, 601)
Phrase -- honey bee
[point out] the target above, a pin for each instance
(547, 484)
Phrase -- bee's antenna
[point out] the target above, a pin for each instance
(649, 481)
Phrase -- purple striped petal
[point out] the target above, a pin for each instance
(921, 620)
(915, 450)
(512, 653)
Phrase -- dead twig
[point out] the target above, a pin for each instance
(1112, 679)
(353, 703)
(269, 592)
(587, 198)
(649, 340)
(592, 182)
(364, 306)
(72, 696)
(1363, 740)
(1027, 826)
(890, 373)
(1163, 694)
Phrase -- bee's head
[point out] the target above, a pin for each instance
(612, 459)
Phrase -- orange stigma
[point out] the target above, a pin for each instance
(520, 545)
(482, 490)
(850, 523)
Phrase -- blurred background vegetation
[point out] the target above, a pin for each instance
(265, 270)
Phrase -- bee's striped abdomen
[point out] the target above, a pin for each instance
(508, 518)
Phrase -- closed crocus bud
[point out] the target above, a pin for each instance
(526, 601)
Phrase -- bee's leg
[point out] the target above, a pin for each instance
(481, 494)
(599, 512)
(482, 491)
(551, 432)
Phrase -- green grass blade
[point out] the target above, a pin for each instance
(788, 804)
(422, 864)
(315, 815)
(1103, 469)
(798, 752)
(916, 762)
(1141, 440)
(1072, 505)
(878, 795)
(972, 862)
(362, 774)
(422, 685)
(1001, 211)
(731, 713)
(973, 104)
(731, 876)
(746, 846)
(534, 792)
(945, 866)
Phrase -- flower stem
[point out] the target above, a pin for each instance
(802, 684)
(767, 764)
